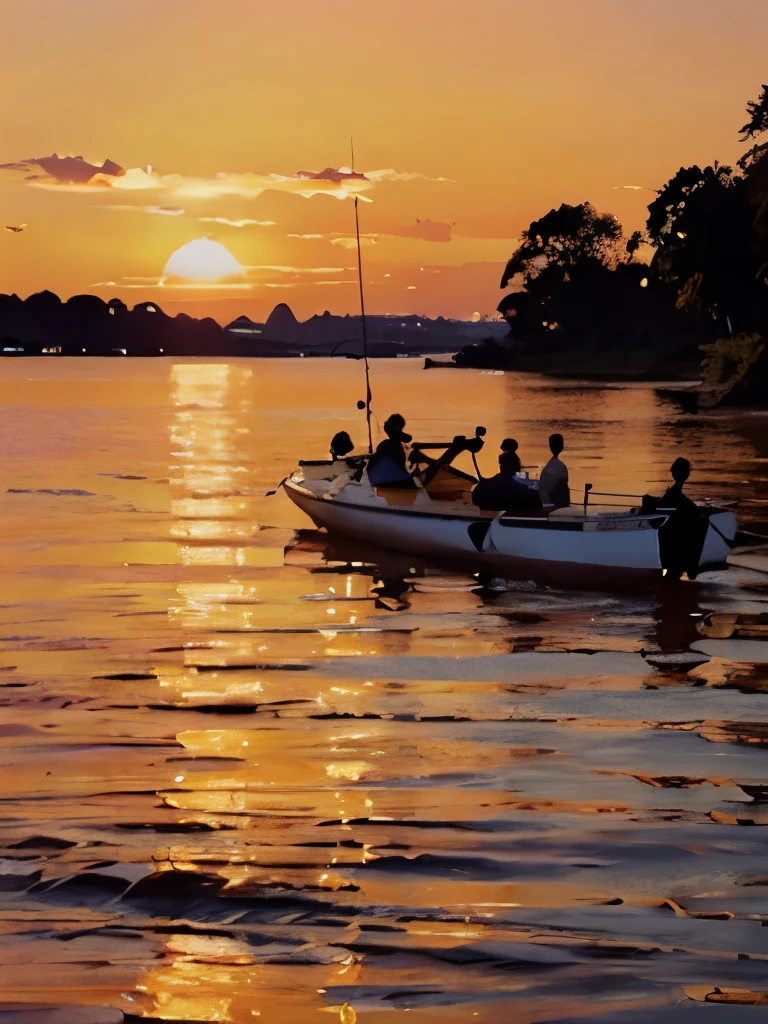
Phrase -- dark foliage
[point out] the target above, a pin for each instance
(584, 304)
(758, 116)
(563, 241)
(703, 227)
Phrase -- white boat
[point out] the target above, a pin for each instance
(435, 519)
(444, 524)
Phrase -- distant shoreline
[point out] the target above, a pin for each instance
(85, 325)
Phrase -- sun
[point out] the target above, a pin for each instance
(202, 260)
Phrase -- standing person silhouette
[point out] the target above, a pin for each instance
(673, 496)
(553, 482)
(681, 539)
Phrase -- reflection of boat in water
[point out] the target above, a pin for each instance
(438, 521)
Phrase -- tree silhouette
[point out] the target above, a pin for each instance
(758, 116)
(754, 164)
(562, 242)
(634, 242)
(579, 297)
(702, 225)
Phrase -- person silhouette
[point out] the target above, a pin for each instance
(673, 496)
(509, 460)
(681, 538)
(386, 467)
(506, 490)
(341, 445)
(553, 482)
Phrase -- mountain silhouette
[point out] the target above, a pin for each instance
(87, 325)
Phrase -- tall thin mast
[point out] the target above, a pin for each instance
(362, 315)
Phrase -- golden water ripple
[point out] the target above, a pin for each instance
(245, 774)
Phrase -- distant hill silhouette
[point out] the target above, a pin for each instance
(86, 325)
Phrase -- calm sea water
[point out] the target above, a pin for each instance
(244, 774)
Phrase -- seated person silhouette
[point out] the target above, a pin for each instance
(506, 490)
(341, 445)
(386, 467)
(553, 482)
(509, 460)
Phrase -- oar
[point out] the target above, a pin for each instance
(731, 543)
(275, 489)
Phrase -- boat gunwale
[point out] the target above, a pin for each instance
(396, 509)
(481, 516)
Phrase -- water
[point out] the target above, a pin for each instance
(244, 774)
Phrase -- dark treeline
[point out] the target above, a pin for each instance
(86, 325)
(583, 301)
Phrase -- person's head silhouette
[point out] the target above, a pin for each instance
(394, 428)
(680, 470)
(509, 460)
(341, 445)
(556, 444)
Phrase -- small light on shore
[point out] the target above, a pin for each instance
(644, 283)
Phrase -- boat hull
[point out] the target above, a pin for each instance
(499, 544)
(399, 530)
(719, 539)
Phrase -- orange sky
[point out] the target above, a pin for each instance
(520, 105)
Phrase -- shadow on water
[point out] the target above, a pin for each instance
(667, 613)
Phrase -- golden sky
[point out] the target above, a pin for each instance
(469, 119)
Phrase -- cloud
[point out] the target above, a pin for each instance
(145, 283)
(74, 174)
(427, 230)
(162, 211)
(178, 211)
(392, 175)
(165, 211)
(350, 241)
(250, 185)
(297, 270)
(66, 170)
(245, 223)
(341, 238)
(339, 176)
(262, 276)
(299, 284)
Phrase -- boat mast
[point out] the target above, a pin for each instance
(362, 315)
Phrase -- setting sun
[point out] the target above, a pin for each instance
(202, 260)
